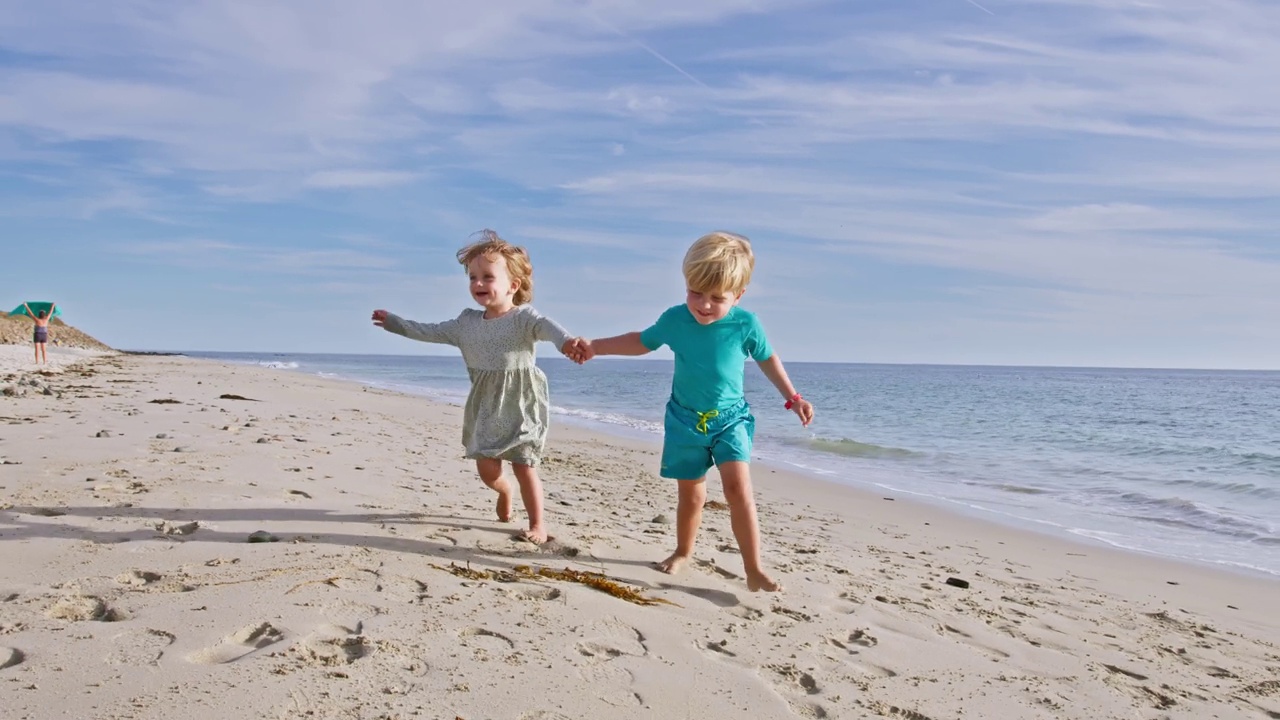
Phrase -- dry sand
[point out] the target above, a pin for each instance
(128, 587)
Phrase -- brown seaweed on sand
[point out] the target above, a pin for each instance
(593, 580)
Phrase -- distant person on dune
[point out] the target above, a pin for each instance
(41, 336)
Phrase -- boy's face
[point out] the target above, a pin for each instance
(708, 307)
(491, 283)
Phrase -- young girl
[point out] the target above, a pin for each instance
(507, 410)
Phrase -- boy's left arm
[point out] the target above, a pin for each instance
(772, 369)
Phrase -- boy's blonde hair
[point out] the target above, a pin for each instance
(719, 262)
(518, 264)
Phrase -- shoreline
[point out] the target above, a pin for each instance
(393, 589)
(936, 503)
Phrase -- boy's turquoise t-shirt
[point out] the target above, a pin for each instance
(710, 359)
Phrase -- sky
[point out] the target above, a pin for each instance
(1016, 182)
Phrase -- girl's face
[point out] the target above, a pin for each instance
(708, 307)
(491, 284)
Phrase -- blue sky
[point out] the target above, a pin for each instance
(1076, 182)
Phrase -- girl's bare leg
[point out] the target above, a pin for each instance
(531, 494)
(693, 495)
(736, 477)
(490, 470)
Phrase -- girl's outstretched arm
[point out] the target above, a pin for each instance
(444, 332)
(628, 344)
(772, 369)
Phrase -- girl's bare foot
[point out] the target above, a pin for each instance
(504, 499)
(673, 564)
(760, 581)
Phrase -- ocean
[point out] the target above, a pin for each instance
(1179, 463)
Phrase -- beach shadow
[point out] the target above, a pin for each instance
(44, 523)
(30, 522)
(719, 598)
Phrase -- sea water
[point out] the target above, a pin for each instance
(1181, 463)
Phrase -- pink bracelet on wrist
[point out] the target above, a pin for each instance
(792, 401)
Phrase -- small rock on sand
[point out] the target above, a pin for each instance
(170, 528)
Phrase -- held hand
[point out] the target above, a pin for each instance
(578, 350)
(804, 409)
(379, 317)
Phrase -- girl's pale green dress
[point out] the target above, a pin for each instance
(508, 409)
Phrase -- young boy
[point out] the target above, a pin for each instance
(708, 421)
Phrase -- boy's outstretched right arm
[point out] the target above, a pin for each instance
(628, 344)
(445, 332)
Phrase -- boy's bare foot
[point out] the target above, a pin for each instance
(759, 582)
(504, 499)
(673, 564)
(537, 536)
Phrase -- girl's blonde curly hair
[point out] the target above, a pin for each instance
(519, 267)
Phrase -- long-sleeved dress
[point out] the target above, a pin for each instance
(508, 409)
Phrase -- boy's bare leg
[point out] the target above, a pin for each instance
(736, 478)
(490, 470)
(693, 495)
(531, 494)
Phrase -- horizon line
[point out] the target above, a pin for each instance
(612, 358)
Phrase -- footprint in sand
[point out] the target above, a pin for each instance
(793, 614)
(137, 577)
(483, 639)
(893, 711)
(600, 643)
(330, 645)
(854, 646)
(79, 608)
(10, 657)
(796, 678)
(711, 567)
(967, 638)
(608, 639)
(238, 644)
(857, 639)
(721, 647)
(798, 688)
(138, 648)
(533, 592)
(611, 683)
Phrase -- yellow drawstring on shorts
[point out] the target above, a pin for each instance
(703, 417)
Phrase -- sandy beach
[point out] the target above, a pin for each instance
(133, 488)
